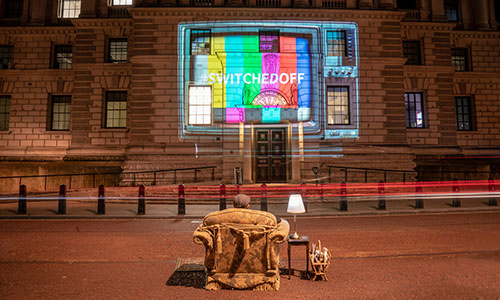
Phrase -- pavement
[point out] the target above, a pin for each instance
(116, 209)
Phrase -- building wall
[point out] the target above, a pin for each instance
(151, 139)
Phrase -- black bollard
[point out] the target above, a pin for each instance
(61, 207)
(181, 210)
(381, 195)
(21, 205)
(101, 205)
(455, 202)
(222, 197)
(141, 206)
(492, 201)
(263, 197)
(343, 197)
(419, 203)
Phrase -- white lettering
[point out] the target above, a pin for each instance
(273, 79)
(265, 78)
(300, 77)
(245, 78)
(238, 75)
(293, 77)
(211, 78)
(219, 77)
(256, 78)
(287, 78)
(226, 78)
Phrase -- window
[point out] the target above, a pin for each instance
(4, 112)
(451, 10)
(5, 57)
(411, 51)
(122, 2)
(60, 113)
(336, 43)
(200, 42)
(414, 110)
(459, 59)
(116, 110)
(405, 4)
(63, 57)
(13, 9)
(69, 8)
(338, 105)
(269, 41)
(464, 113)
(118, 49)
(200, 105)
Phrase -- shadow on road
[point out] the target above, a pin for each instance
(194, 279)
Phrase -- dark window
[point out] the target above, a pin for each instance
(496, 4)
(60, 113)
(116, 110)
(451, 10)
(13, 8)
(4, 112)
(459, 59)
(118, 49)
(69, 8)
(414, 110)
(336, 43)
(407, 4)
(5, 56)
(464, 113)
(200, 42)
(269, 41)
(411, 51)
(338, 105)
(63, 57)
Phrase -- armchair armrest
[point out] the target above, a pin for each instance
(201, 236)
(279, 235)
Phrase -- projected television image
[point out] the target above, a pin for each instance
(264, 73)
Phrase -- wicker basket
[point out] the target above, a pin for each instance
(320, 260)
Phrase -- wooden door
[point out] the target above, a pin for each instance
(270, 155)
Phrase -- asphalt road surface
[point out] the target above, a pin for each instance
(444, 256)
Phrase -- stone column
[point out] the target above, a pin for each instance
(88, 9)
(38, 12)
(365, 3)
(483, 15)
(425, 12)
(467, 14)
(387, 4)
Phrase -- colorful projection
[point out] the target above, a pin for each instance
(263, 73)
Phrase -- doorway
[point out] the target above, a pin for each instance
(270, 155)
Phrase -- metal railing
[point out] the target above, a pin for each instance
(334, 3)
(366, 172)
(154, 176)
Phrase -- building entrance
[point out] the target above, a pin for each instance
(270, 155)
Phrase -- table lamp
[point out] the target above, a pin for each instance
(295, 206)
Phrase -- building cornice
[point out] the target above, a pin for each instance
(102, 22)
(258, 13)
(434, 26)
(28, 30)
(476, 34)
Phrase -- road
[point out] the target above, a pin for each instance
(438, 256)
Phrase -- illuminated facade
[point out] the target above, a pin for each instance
(272, 87)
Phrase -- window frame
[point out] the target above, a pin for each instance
(189, 105)
(6, 11)
(342, 114)
(112, 3)
(415, 111)
(5, 115)
(343, 35)
(61, 9)
(66, 99)
(451, 6)
(55, 63)
(460, 115)
(275, 46)
(417, 45)
(197, 33)
(110, 52)
(120, 95)
(5, 61)
(465, 59)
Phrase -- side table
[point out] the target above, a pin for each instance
(302, 241)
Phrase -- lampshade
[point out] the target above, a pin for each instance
(295, 204)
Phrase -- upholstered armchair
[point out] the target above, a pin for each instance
(241, 249)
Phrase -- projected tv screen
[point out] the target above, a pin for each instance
(261, 73)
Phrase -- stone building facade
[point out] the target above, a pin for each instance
(107, 85)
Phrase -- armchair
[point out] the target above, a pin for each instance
(241, 249)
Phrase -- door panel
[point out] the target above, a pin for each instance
(270, 161)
